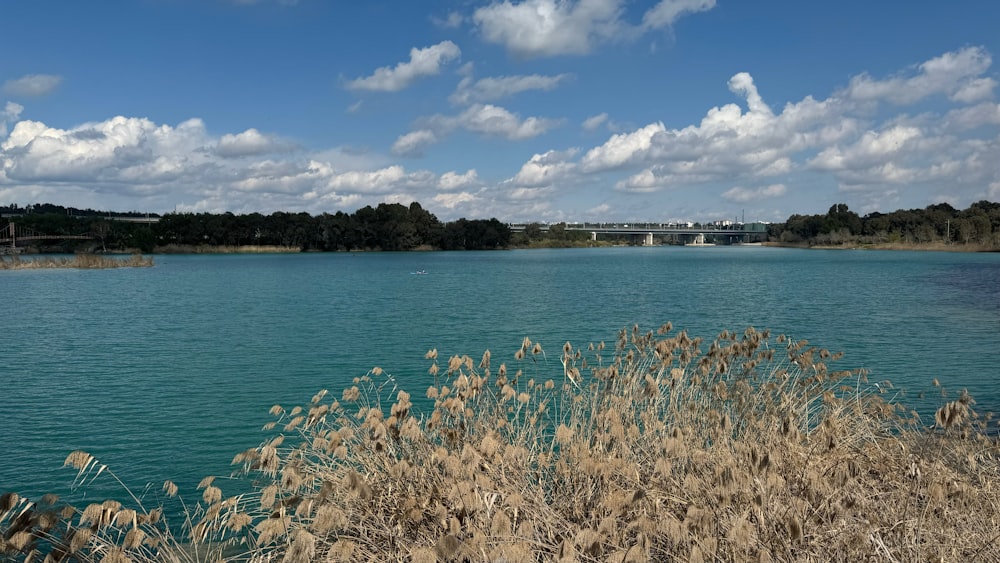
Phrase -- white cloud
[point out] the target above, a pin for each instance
(545, 169)
(595, 121)
(250, 143)
(965, 118)
(275, 177)
(104, 151)
(451, 21)
(548, 27)
(498, 122)
(454, 200)
(667, 11)
(955, 74)
(643, 182)
(871, 149)
(414, 142)
(379, 181)
(452, 181)
(490, 89)
(744, 195)
(33, 85)
(134, 163)
(538, 28)
(10, 113)
(484, 119)
(621, 149)
(975, 90)
(423, 62)
(839, 136)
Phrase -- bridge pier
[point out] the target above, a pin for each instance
(648, 241)
(593, 235)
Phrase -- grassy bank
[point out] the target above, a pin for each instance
(659, 447)
(81, 261)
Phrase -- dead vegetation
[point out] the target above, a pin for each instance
(664, 448)
(79, 261)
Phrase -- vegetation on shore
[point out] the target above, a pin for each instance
(81, 261)
(939, 227)
(389, 227)
(395, 227)
(658, 448)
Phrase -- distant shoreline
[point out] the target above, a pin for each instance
(175, 249)
(931, 246)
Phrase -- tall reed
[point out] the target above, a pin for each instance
(661, 447)
(80, 261)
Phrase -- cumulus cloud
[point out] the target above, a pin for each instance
(413, 143)
(10, 113)
(107, 151)
(871, 149)
(134, 163)
(250, 143)
(379, 181)
(538, 28)
(975, 90)
(859, 139)
(452, 181)
(498, 122)
(423, 62)
(455, 200)
(32, 86)
(484, 119)
(545, 169)
(622, 148)
(979, 115)
(839, 136)
(495, 88)
(744, 195)
(643, 182)
(955, 74)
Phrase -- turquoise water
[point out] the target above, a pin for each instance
(169, 371)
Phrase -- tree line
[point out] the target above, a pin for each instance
(389, 226)
(396, 227)
(941, 223)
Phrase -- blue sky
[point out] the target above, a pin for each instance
(524, 110)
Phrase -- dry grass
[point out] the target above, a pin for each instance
(226, 249)
(81, 261)
(749, 448)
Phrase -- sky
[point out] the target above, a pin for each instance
(522, 110)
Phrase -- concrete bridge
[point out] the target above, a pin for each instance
(645, 233)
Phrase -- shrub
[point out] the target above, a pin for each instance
(655, 450)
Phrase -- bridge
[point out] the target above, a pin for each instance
(11, 234)
(644, 233)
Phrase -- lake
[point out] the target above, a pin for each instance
(167, 372)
